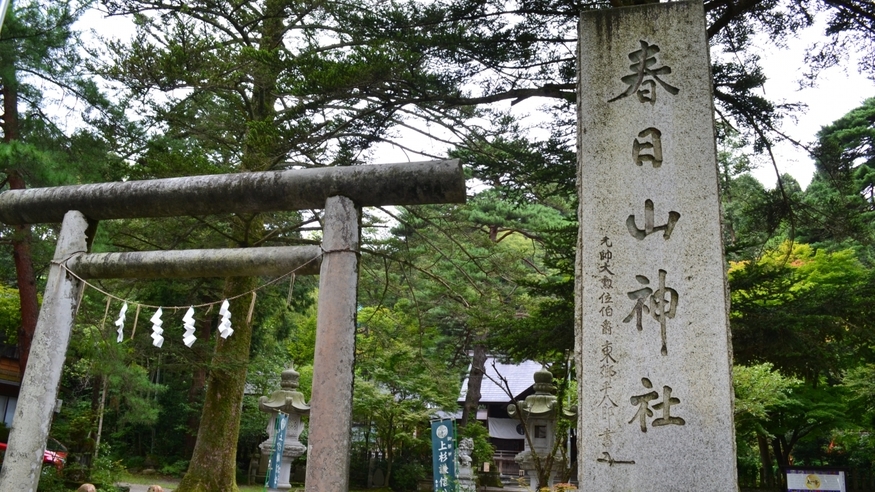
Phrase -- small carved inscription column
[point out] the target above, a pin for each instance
(653, 339)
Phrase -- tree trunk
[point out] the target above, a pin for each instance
(24, 273)
(478, 364)
(544, 471)
(196, 391)
(26, 279)
(767, 471)
(782, 458)
(100, 410)
(213, 462)
(782, 451)
(390, 452)
(475, 381)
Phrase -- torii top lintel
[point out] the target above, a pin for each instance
(371, 185)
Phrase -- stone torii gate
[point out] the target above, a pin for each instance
(341, 191)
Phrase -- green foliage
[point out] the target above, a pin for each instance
(520, 170)
(253, 425)
(175, 469)
(489, 479)
(301, 341)
(74, 426)
(131, 392)
(230, 86)
(853, 447)
(789, 415)
(804, 310)
(51, 481)
(845, 148)
(400, 383)
(483, 448)
(10, 314)
(860, 383)
(759, 390)
(406, 476)
(752, 215)
(41, 65)
(840, 201)
(809, 415)
(104, 469)
(532, 195)
(473, 271)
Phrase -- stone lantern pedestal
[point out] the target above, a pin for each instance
(539, 414)
(290, 402)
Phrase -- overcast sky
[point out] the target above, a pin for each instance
(838, 91)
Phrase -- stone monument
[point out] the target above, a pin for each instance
(653, 340)
(289, 401)
(539, 413)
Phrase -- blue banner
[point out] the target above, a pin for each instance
(443, 450)
(276, 457)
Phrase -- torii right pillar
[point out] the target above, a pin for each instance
(653, 341)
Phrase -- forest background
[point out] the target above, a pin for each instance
(213, 86)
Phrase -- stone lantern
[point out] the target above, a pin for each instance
(290, 401)
(539, 413)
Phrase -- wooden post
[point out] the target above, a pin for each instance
(39, 389)
(331, 401)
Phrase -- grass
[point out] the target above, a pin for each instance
(172, 483)
(149, 480)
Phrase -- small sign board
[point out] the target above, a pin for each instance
(807, 479)
(443, 440)
(276, 456)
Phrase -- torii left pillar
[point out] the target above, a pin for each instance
(39, 388)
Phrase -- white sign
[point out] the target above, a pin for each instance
(808, 480)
